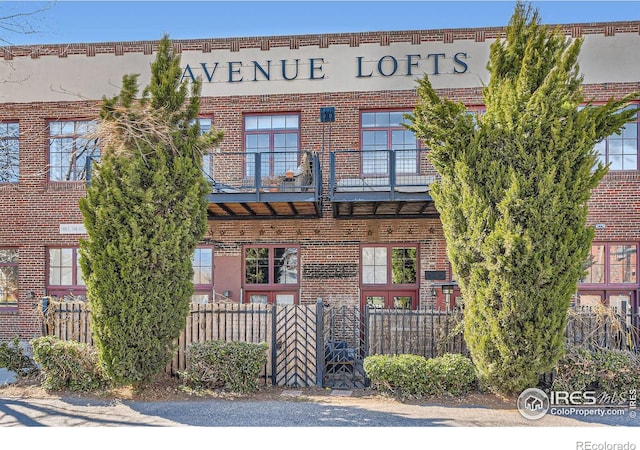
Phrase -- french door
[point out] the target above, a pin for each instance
(623, 301)
(389, 299)
(272, 297)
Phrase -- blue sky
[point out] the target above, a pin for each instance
(100, 21)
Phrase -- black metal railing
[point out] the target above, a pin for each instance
(405, 170)
(243, 172)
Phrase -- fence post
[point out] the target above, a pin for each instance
(274, 344)
(45, 313)
(319, 343)
(365, 329)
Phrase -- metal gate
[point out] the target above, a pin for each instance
(294, 347)
(345, 347)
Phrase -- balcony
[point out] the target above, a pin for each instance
(381, 184)
(264, 185)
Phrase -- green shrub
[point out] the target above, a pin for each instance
(13, 358)
(231, 365)
(454, 373)
(416, 376)
(67, 364)
(402, 375)
(145, 211)
(602, 370)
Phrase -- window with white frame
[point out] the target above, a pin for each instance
(9, 153)
(71, 144)
(276, 139)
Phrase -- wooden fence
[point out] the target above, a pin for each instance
(215, 321)
(227, 322)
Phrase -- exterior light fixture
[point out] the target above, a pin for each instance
(447, 289)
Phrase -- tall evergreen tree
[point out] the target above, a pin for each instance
(145, 212)
(513, 193)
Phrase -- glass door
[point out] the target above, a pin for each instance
(622, 303)
(384, 299)
(272, 297)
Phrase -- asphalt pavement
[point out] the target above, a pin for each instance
(288, 411)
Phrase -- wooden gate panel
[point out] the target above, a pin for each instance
(295, 346)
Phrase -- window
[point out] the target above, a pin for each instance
(389, 265)
(8, 277)
(595, 265)
(612, 264)
(271, 274)
(621, 149)
(70, 145)
(623, 264)
(207, 158)
(383, 131)
(271, 265)
(389, 276)
(9, 153)
(274, 141)
(476, 112)
(403, 265)
(65, 274)
(374, 265)
(202, 263)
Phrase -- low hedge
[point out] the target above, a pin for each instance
(455, 373)
(230, 365)
(415, 376)
(67, 364)
(602, 370)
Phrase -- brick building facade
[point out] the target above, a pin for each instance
(317, 190)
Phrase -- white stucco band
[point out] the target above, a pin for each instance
(309, 69)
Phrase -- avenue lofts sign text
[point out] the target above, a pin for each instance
(318, 68)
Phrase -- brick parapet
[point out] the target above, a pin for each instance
(447, 35)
